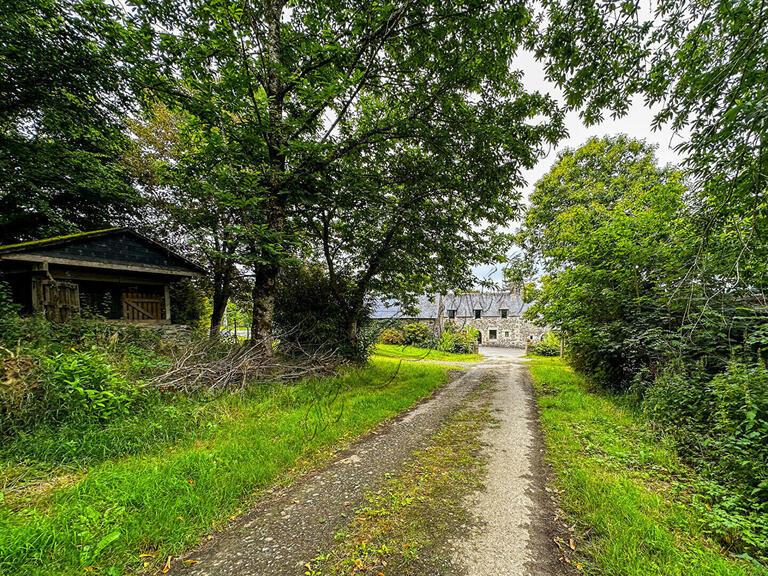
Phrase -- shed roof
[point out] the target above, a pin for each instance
(103, 247)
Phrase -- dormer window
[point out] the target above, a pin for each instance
(478, 313)
(451, 313)
(503, 312)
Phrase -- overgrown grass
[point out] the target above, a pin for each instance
(414, 353)
(157, 481)
(640, 509)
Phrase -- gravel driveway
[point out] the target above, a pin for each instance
(513, 533)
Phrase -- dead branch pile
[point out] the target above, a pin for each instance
(218, 365)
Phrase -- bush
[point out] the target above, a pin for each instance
(549, 346)
(392, 336)
(720, 425)
(418, 334)
(87, 384)
(189, 305)
(458, 341)
(307, 313)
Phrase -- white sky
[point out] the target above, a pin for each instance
(637, 124)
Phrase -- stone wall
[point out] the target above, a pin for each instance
(511, 332)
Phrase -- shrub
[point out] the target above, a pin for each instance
(458, 341)
(737, 441)
(188, 304)
(391, 336)
(549, 346)
(418, 334)
(86, 384)
(309, 315)
(720, 425)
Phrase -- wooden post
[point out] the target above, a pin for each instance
(167, 303)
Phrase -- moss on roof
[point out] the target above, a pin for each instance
(56, 238)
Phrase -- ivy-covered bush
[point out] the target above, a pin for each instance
(10, 324)
(392, 336)
(189, 305)
(418, 334)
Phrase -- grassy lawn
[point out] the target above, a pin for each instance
(638, 507)
(79, 500)
(413, 353)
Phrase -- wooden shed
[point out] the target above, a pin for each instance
(117, 273)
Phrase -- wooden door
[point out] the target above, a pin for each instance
(59, 301)
(144, 304)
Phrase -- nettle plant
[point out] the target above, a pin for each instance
(88, 385)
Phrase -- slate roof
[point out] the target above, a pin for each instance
(112, 245)
(465, 305)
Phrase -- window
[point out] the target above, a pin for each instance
(506, 333)
(451, 313)
(477, 313)
(491, 334)
(503, 312)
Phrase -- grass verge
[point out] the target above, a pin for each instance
(413, 353)
(405, 527)
(640, 510)
(158, 499)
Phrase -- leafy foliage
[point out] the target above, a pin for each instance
(611, 230)
(616, 236)
(418, 334)
(308, 314)
(61, 88)
(392, 336)
(548, 346)
(188, 304)
(458, 340)
(10, 324)
(87, 384)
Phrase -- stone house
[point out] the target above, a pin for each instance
(497, 316)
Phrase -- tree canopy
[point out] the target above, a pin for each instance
(61, 101)
(291, 93)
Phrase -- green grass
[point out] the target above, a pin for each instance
(413, 353)
(160, 492)
(636, 503)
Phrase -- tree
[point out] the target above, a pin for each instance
(292, 91)
(192, 197)
(612, 232)
(705, 66)
(406, 219)
(61, 138)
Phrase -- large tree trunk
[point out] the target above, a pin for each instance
(220, 301)
(265, 274)
(352, 339)
(263, 296)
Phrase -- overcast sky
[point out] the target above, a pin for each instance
(637, 124)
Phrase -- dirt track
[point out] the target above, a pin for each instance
(513, 514)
